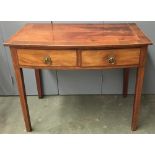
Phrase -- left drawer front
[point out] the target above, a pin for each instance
(43, 58)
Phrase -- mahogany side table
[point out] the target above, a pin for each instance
(79, 46)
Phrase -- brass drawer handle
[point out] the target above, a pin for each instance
(111, 60)
(47, 60)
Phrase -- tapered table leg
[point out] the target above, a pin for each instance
(137, 100)
(125, 81)
(138, 88)
(23, 100)
(21, 90)
(39, 82)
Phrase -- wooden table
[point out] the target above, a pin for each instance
(79, 46)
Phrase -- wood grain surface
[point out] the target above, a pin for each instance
(36, 57)
(100, 57)
(79, 36)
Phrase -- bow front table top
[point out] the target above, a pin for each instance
(79, 46)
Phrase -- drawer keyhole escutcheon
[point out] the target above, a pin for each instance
(111, 60)
(47, 60)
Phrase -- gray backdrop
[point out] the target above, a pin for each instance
(73, 82)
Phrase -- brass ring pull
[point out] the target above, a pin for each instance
(47, 60)
(111, 60)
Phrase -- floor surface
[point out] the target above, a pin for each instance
(99, 114)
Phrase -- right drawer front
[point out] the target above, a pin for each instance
(109, 58)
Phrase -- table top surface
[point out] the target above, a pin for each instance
(78, 35)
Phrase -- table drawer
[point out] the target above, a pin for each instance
(109, 58)
(56, 58)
